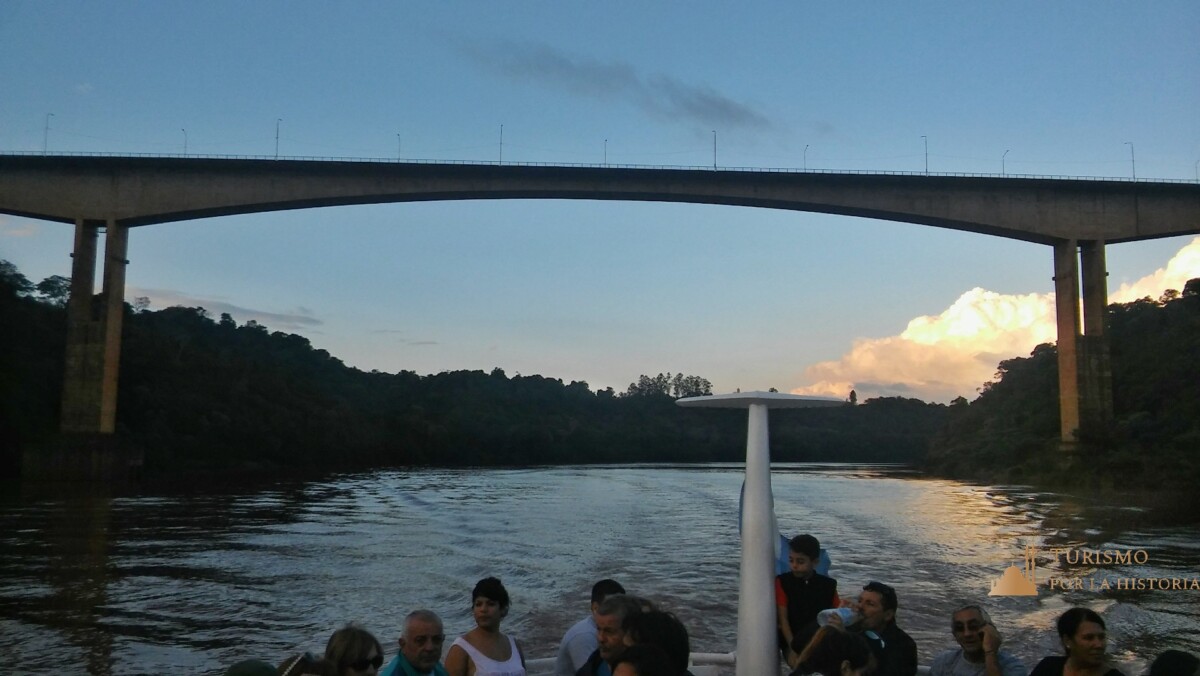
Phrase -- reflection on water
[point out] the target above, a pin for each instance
(192, 582)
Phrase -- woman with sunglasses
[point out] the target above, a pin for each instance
(484, 651)
(354, 651)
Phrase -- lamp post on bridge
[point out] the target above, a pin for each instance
(398, 152)
(1002, 170)
(184, 141)
(46, 133)
(714, 149)
(806, 157)
(1132, 161)
(277, 121)
(926, 139)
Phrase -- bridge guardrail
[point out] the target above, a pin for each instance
(594, 165)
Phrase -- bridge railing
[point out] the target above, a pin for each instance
(596, 165)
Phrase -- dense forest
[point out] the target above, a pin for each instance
(205, 394)
(1010, 432)
(201, 394)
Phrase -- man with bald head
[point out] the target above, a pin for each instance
(420, 647)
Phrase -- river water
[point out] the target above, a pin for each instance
(190, 581)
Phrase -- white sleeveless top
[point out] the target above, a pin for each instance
(486, 666)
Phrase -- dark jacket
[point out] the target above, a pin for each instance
(595, 666)
(894, 650)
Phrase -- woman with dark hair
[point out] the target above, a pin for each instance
(643, 659)
(1085, 641)
(484, 651)
(664, 630)
(1175, 663)
(354, 651)
(835, 652)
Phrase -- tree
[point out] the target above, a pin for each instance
(12, 282)
(56, 289)
(647, 386)
(690, 386)
(853, 397)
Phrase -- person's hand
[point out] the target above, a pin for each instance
(793, 660)
(835, 620)
(990, 637)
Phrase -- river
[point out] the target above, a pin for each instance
(192, 580)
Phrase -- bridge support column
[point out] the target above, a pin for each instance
(89, 403)
(1095, 365)
(87, 448)
(1084, 367)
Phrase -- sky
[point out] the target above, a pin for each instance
(598, 291)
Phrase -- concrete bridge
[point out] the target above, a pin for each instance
(1075, 217)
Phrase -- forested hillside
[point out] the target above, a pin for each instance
(201, 394)
(1010, 432)
(198, 394)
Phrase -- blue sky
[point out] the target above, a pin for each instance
(605, 291)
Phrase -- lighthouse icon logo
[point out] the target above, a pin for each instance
(1014, 582)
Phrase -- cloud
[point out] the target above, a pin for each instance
(300, 319)
(938, 358)
(660, 95)
(19, 228)
(1183, 266)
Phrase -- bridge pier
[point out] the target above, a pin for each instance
(87, 448)
(1084, 366)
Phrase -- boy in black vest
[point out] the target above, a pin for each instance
(800, 595)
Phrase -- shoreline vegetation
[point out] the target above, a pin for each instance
(208, 396)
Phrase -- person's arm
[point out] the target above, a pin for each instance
(458, 662)
(520, 651)
(781, 621)
(991, 640)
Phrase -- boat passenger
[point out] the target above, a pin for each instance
(1175, 663)
(643, 660)
(420, 643)
(306, 664)
(835, 652)
(354, 651)
(580, 640)
(664, 630)
(1085, 641)
(800, 594)
(485, 651)
(610, 633)
(895, 651)
(979, 652)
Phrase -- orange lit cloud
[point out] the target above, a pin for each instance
(1183, 266)
(938, 358)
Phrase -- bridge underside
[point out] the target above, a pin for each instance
(1075, 217)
